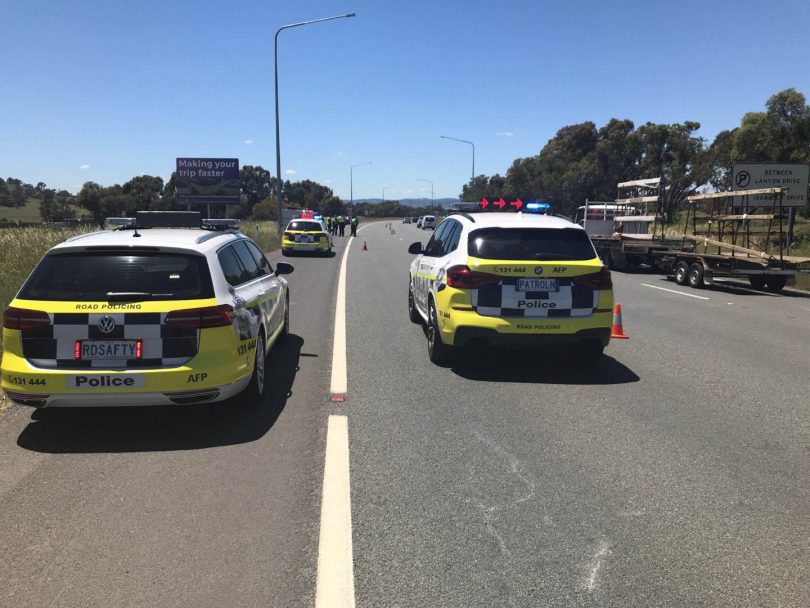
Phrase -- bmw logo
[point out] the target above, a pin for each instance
(538, 270)
(106, 324)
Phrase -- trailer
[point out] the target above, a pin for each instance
(625, 233)
(725, 242)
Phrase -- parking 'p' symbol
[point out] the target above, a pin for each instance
(743, 179)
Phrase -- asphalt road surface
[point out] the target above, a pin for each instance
(673, 474)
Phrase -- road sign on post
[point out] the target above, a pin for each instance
(208, 181)
(755, 176)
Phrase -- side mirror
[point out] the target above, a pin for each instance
(415, 248)
(283, 268)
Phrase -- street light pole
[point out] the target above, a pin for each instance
(473, 152)
(351, 180)
(384, 189)
(278, 136)
(419, 179)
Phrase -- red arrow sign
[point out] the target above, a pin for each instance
(517, 204)
(500, 204)
(484, 203)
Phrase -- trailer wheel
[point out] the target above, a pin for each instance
(757, 281)
(775, 282)
(681, 272)
(695, 276)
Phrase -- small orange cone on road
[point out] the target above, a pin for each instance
(365, 247)
(618, 330)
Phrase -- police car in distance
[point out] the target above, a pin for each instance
(145, 315)
(510, 279)
(306, 235)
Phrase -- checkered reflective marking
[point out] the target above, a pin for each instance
(163, 345)
(505, 300)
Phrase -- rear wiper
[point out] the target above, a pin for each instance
(127, 296)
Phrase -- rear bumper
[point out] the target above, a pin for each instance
(122, 399)
(322, 245)
(468, 336)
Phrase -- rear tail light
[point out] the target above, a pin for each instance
(22, 318)
(200, 318)
(596, 281)
(288, 235)
(462, 277)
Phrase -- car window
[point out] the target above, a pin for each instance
(451, 241)
(260, 258)
(251, 265)
(88, 276)
(435, 245)
(530, 244)
(231, 266)
(305, 225)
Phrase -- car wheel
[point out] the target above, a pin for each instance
(438, 351)
(681, 273)
(285, 252)
(285, 329)
(695, 276)
(255, 389)
(413, 314)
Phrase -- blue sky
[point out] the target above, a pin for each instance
(107, 90)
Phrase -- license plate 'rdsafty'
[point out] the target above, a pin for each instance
(108, 350)
(537, 285)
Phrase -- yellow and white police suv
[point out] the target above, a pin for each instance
(510, 279)
(145, 315)
(306, 235)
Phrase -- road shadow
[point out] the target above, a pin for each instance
(167, 428)
(540, 367)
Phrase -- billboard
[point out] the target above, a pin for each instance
(207, 181)
(753, 176)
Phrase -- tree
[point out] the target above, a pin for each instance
(677, 155)
(266, 209)
(482, 186)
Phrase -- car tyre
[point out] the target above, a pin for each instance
(695, 276)
(681, 273)
(413, 314)
(255, 389)
(438, 351)
(285, 329)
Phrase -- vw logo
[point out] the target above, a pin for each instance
(538, 270)
(106, 324)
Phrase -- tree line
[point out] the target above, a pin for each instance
(583, 162)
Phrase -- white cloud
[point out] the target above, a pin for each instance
(247, 141)
(290, 172)
(84, 167)
(327, 181)
(340, 153)
(505, 134)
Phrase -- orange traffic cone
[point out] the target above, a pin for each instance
(365, 247)
(618, 330)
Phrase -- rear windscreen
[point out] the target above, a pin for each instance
(90, 276)
(530, 244)
(305, 226)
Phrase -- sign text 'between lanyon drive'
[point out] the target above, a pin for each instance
(755, 176)
(207, 181)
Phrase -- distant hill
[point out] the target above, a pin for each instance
(411, 202)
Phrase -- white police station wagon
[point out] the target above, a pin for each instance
(169, 310)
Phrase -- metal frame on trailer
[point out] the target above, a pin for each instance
(729, 229)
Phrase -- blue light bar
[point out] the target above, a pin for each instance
(537, 207)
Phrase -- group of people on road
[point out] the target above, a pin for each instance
(337, 225)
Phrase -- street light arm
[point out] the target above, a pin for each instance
(278, 135)
(473, 150)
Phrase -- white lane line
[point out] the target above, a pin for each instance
(335, 582)
(339, 383)
(680, 293)
(595, 565)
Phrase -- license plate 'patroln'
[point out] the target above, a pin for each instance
(108, 350)
(537, 285)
